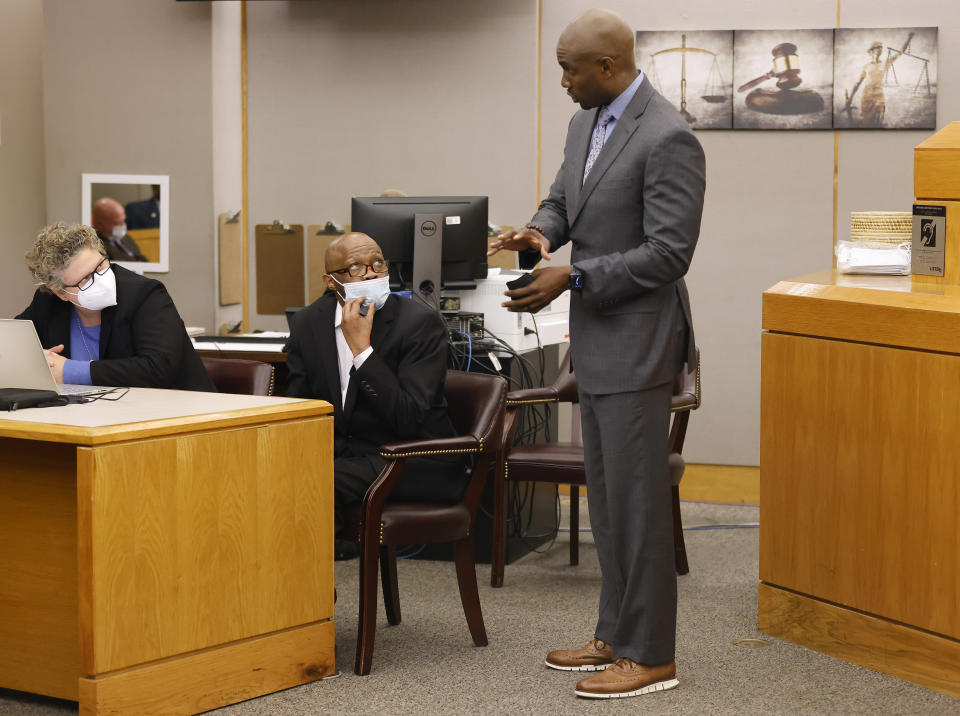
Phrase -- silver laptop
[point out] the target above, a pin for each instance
(23, 364)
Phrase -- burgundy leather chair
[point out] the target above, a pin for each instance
(475, 403)
(562, 462)
(235, 375)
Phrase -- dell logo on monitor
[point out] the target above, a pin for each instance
(428, 228)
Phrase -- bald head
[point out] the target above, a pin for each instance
(595, 52)
(344, 247)
(353, 248)
(602, 33)
(106, 214)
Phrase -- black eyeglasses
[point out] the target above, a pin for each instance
(358, 269)
(87, 281)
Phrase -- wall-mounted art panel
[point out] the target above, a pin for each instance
(694, 71)
(784, 79)
(885, 78)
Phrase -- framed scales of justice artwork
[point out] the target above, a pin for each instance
(844, 78)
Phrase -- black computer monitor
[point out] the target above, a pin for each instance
(463, 247)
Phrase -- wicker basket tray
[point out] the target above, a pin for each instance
(889, 227)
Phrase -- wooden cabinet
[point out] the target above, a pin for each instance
(168, 553)
(860, 472)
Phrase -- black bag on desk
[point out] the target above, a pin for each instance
(16, 398)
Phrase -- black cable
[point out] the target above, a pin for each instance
(533, 420)
(536, 331)
(551, 534)
(112, 394)
(524, 381)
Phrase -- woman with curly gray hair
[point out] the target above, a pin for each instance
(102, 324)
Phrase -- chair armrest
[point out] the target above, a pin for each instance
(462, 444)
(686, 389)
(398, 453)
(532, 396)
(684, 401)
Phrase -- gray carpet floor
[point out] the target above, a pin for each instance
(428, 664)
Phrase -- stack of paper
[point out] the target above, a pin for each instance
(861, 257)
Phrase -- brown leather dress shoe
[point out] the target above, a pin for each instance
(595, 656)
(626, 678)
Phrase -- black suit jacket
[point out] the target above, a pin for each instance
(143, 342)
(122, 250)
(397, 394)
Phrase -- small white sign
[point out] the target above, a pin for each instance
(452, 220)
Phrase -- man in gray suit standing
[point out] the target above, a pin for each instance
(628, 196)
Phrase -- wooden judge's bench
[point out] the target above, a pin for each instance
(860, 457)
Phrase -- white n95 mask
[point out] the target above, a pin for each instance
(102, 294)
(118, 232)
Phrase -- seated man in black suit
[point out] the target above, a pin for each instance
(110, 221)
(383, 372)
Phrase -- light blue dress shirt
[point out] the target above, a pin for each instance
(619, 105)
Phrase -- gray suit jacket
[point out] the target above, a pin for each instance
(634, 226)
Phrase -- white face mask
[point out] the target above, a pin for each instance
(376, 289)
(102, 294)
(119, 231)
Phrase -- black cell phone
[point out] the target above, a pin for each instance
(365, 306)
(520, 281)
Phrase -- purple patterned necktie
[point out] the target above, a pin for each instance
(596, 141)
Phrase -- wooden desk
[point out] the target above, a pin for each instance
(860, 472)
(167, 553)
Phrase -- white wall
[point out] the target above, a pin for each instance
(127, 91)
(426, 96)
(21, 146)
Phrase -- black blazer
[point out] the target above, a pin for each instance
(142, 339)
(117, 253)
(398, 392)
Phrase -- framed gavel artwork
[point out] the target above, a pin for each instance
(843, 78)
(783, 79)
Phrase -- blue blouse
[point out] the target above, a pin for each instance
(84, 347)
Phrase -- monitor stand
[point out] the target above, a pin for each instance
(427, 253)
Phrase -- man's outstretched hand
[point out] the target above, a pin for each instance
(522, 240)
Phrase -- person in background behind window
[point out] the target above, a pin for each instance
(110, 221)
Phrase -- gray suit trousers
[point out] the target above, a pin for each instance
(628, 493)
